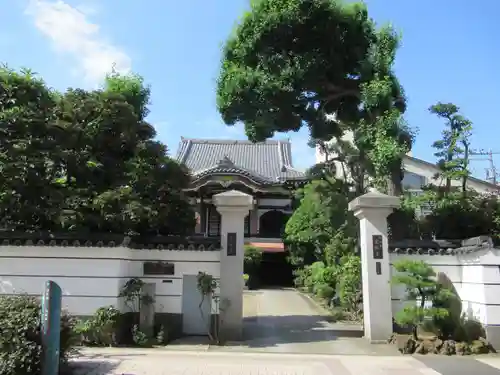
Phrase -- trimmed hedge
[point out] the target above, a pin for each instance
(20, 336)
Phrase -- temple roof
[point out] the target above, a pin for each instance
(269, 161)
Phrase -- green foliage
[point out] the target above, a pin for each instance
(100, 329)
(322, 219)
(86, 160)
(421, 285)
(133, 296)
(281, 67)
(207, 286)
(282, 70)
(252, 259)
(453, 148)
(138, 337)
(350, 287)
(162, 336)
(454, 216)
(318, 279)
(20, 336)
(324, 291)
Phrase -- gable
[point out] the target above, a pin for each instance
(270, 160)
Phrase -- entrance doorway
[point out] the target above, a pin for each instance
(272, 224)
(275, 270)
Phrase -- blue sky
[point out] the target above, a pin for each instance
(448, 54)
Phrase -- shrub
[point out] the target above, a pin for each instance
(139, 337)
(324, 291)
(318, 279)
(252, 259)
(100, 329)
(425, 292)
(301, 276)
(162, 335)
(468, 330)
(20, 336)
(350, 289)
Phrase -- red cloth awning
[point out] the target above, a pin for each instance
(269, 247)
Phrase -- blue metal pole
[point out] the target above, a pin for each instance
(51, 328)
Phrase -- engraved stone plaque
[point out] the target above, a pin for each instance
(231, 244)
(378, 249)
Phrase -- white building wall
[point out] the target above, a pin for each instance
(92, 277)
(475, 276)
(413, 165)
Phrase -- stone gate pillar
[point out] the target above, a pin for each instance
(233, 207)
(372, 210)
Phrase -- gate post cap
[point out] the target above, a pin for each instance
(233, 198)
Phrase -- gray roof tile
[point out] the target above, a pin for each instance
(271, 160)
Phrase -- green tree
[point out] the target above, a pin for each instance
(29, 194)
(86, 160)
(342, 158)
(295, 63)
(453, 148)
(423, 290)
(312, 232)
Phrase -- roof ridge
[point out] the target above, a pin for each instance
(281, 157)
(291, 167)
(236, 167)
(183, 149)
(233, 141)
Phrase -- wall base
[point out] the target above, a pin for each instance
(493, 335)
(171, 322)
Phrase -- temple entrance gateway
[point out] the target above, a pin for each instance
(272, 224)
(277, 319)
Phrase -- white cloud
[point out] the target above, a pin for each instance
(72, 33)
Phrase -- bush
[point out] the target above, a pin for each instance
(324, 291)
(139, 337)
(252, 259)
(425, 293)
(350, 288)
(100, 329)
(318, 279)
(301, 276)
(20, 336)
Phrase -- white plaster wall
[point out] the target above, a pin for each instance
(261, 212)
(274, 202)
(475, 276)
(429, 170)
(93, 277)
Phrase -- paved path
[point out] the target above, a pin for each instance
(157, 362)
(284, 321)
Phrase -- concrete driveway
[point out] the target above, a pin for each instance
(121, 361)
(285, 321)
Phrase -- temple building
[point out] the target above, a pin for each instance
(263, 170)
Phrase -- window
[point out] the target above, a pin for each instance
(413, 181)
(425, 209)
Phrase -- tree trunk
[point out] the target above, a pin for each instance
(465, 170)
(395, 184)
(414, 332)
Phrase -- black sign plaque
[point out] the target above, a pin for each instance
(158, 268)
(378, 249)
(378, 268)
(231, 244)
